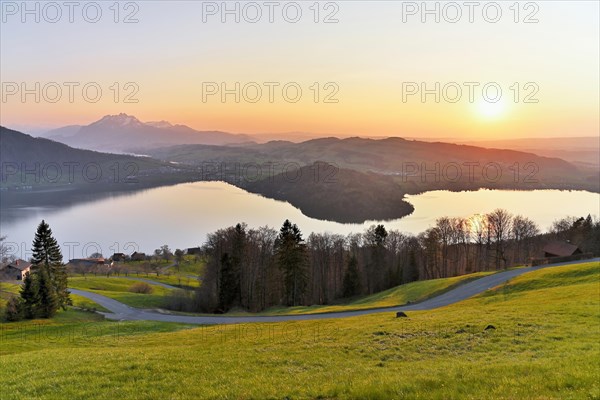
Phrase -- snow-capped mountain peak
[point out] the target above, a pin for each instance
(160, 124)
(121, 120)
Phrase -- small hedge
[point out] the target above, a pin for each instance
(141, 287)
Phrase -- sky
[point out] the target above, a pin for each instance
(348, 67)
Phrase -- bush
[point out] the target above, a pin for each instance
(182, 300)
(141, 287)
(14, 309)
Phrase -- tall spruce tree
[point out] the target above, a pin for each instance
(47, 256)
(352, 278)
(48, 304)
(292, 258)
(228, 284)
(30, 296)
(376, 236)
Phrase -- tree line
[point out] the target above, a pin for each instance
(254, 269)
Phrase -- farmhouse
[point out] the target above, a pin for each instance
(194, 250)
(16, 270)
(136, 256)
(88, 262)
(118, 257)
(561, 249)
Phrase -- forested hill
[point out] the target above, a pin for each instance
(325, 192)
(38, 162)
(476, 167)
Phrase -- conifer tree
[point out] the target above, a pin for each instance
(228, 285)
(14, 309)
(30, 296)
(292, 258)
(48, 304)
(47, 255)
(352, 278)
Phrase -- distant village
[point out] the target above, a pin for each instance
(117, 264)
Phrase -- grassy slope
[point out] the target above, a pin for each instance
(118, 289)
(189, 266)
(179, 280)
(410, 292)
(7, 290)
(186, 275)
(545, 346)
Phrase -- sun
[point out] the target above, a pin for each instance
(489, 110)
(476, 223)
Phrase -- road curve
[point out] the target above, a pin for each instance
(120, 311)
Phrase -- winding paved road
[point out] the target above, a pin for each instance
(121, 311)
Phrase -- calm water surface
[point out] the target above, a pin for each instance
(182, 215)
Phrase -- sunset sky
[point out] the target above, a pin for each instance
(369, 54)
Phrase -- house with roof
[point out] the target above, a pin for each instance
(16, 270)
(119, 257)
(137, 256)
(561, 249)
(194, 251)
(88, 262)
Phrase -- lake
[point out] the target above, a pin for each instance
(182, 215)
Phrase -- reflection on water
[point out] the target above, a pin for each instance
(182, 215)
(16, 205)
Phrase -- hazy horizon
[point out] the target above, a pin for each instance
(39, 131)
(371, 58)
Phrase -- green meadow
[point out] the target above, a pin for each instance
(408, 293)
(174, 279)
(545, 345)
(190, 265)
(120, 290)
(7, 290)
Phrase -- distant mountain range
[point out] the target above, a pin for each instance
(126, 134)
(582, 151)
(43, 163)
(391, 156)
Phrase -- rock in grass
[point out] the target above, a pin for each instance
(401, 314)
(489, 327)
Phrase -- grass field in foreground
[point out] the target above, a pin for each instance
(118, 289)
(545, 345)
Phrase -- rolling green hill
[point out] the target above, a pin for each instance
(120, 290)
